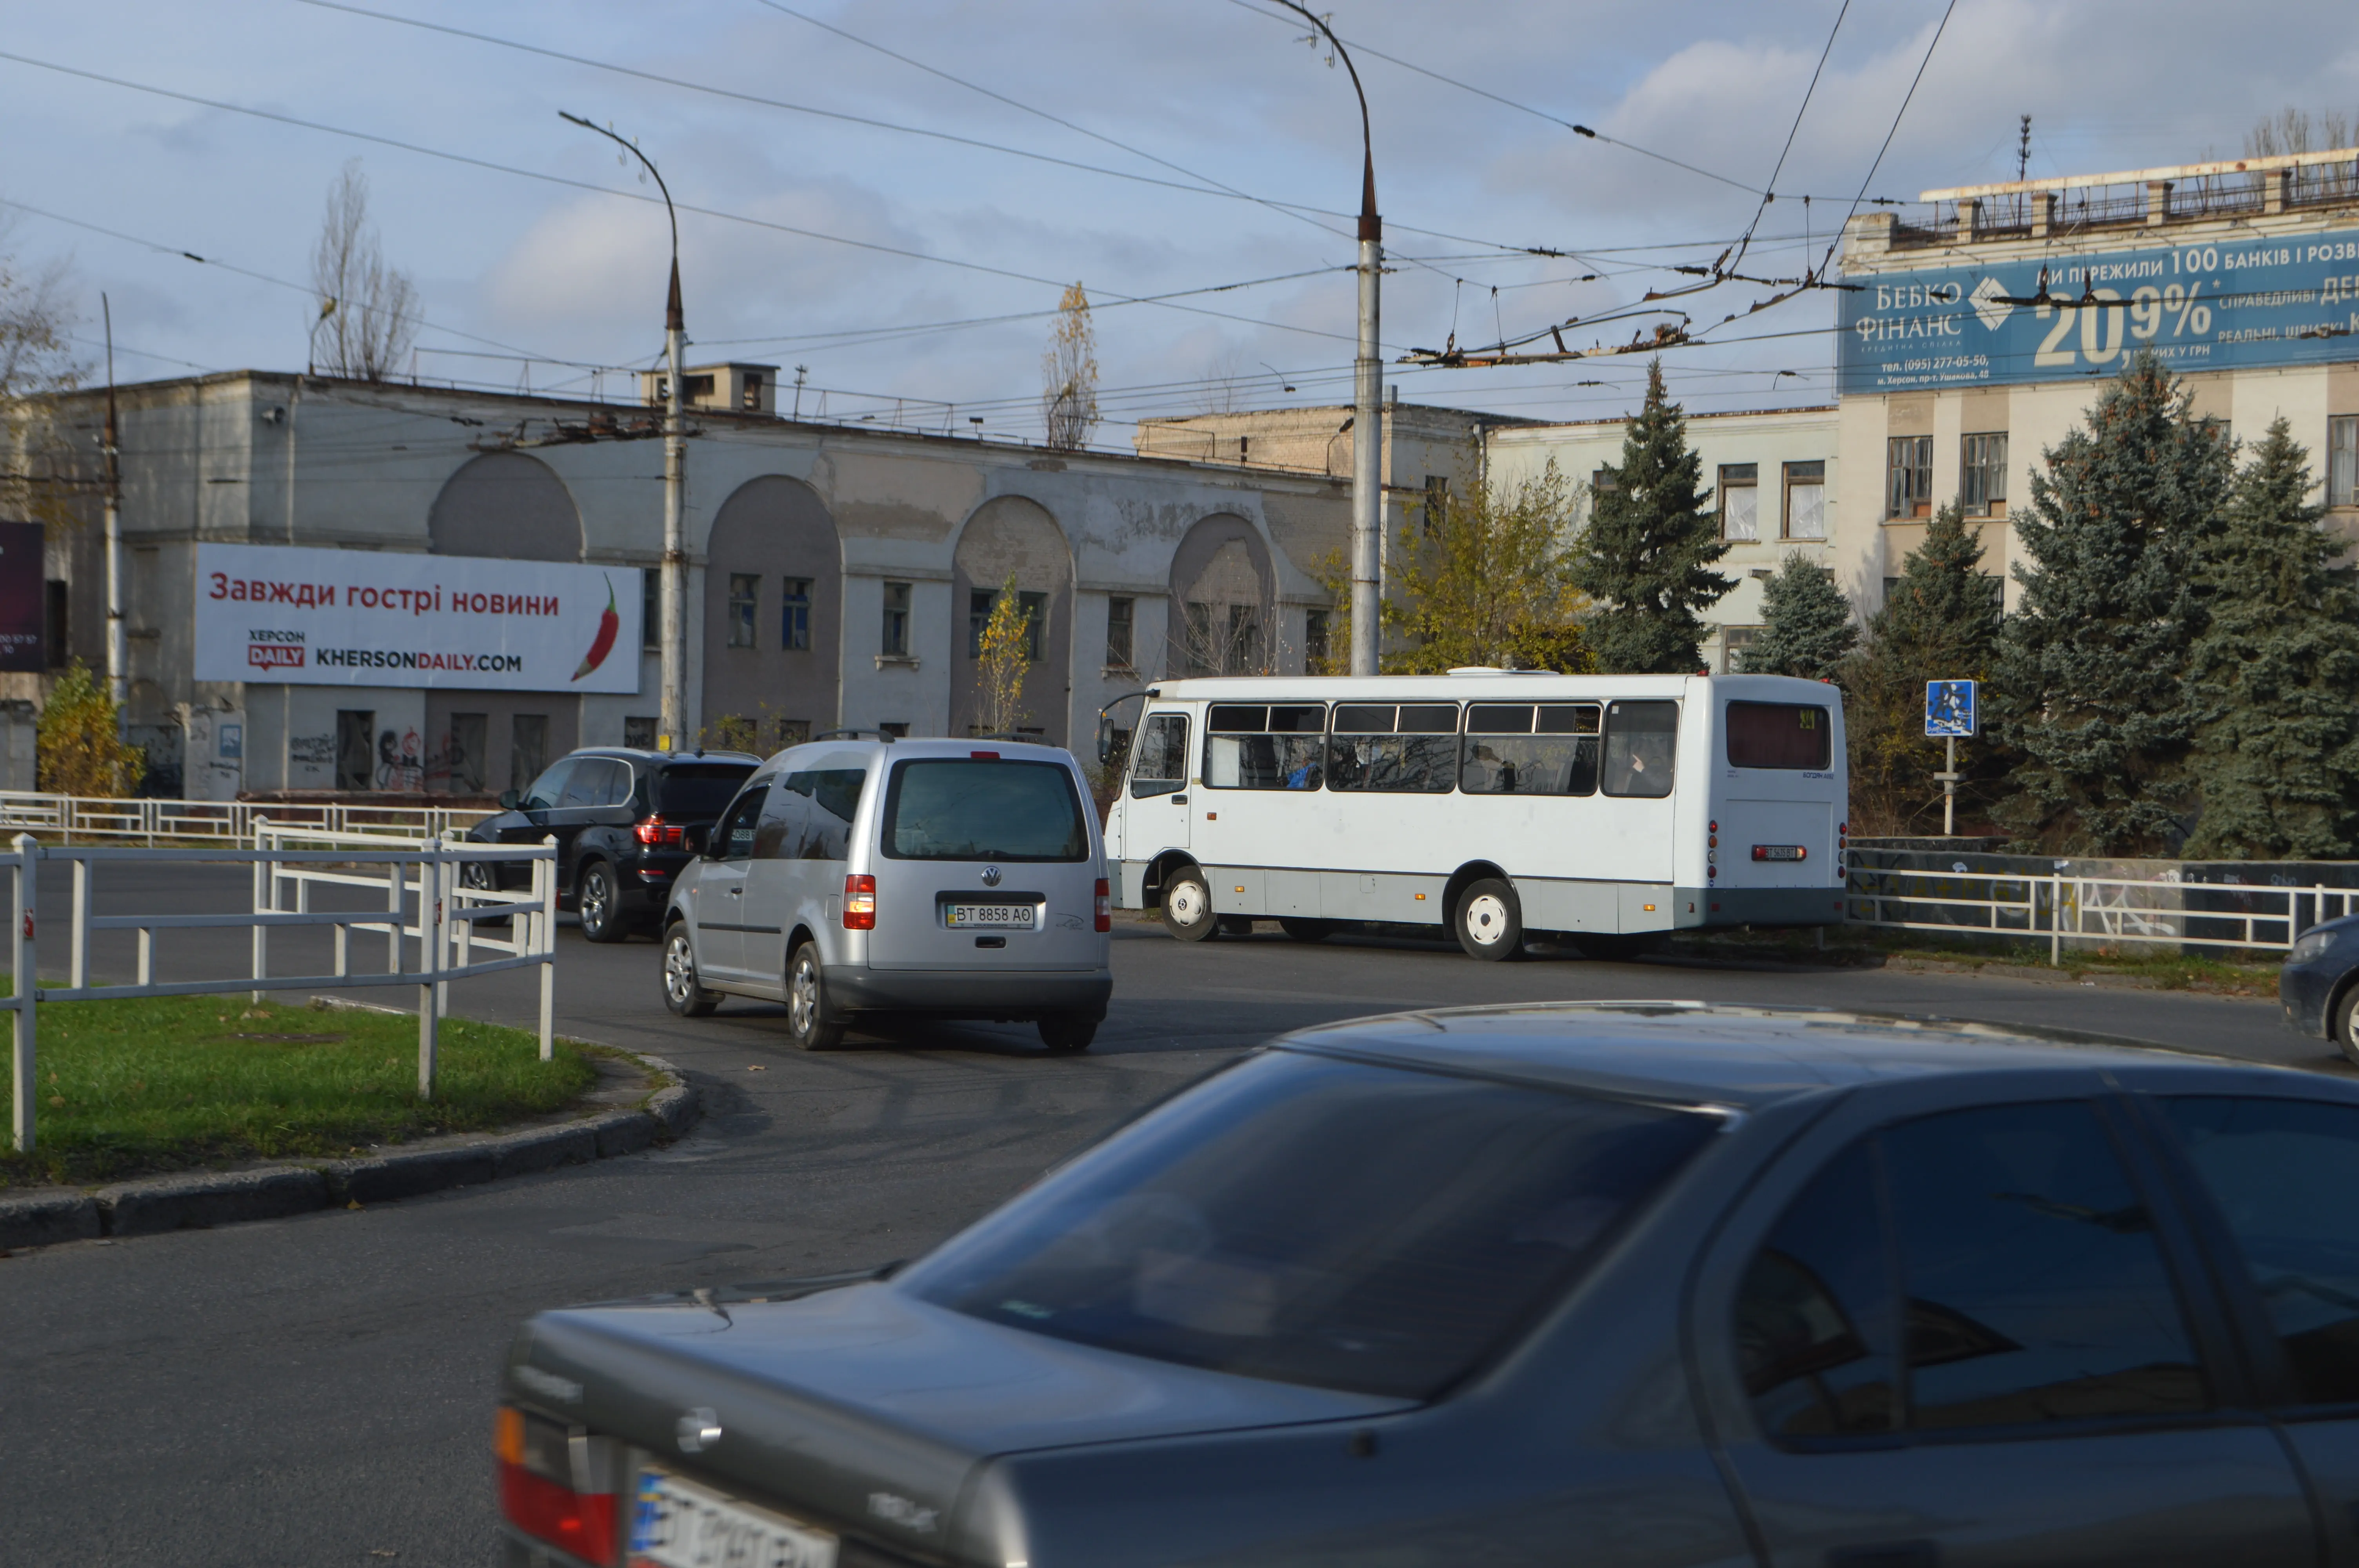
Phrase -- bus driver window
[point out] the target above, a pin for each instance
(1159, 764)
(1641, 746)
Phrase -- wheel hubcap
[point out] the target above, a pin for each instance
(1187, 903)
(1486, 919)
(594, 899)
(802, 1002)
(680, 969)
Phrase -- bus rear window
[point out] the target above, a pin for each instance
(1778, 735)
(957, 809)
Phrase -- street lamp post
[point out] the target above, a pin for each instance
(671, 727)
(1367, 426)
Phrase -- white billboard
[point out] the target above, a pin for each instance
(275, 614)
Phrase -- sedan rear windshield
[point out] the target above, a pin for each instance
(699, 789)
(955, 808)
(1318, 1221)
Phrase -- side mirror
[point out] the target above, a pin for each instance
(508, 800)
(1105, 738)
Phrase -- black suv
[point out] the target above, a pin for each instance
(625, 821)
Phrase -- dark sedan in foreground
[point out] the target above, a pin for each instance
(2319, 983)
(1643, 1283)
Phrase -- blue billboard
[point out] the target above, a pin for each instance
(2247, 303)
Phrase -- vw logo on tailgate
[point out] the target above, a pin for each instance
(991, 876)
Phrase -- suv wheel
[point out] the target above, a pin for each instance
(1064, 1032)
(481, 876)
(811, 1023)
(601, 906)
(1188, 907)
(1491, 920)
(2345, 1022)
(683, 993)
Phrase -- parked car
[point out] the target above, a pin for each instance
(2319, 983)
(625, 822)
(1617, 1283)
(954, 878)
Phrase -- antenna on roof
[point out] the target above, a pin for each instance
(2023, 150)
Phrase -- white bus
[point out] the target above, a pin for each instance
(1608, 809)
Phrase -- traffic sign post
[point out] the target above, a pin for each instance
(1952, 709)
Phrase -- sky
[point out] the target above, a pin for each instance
(1194, 164)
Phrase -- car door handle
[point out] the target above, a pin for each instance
(1890, 1554)
(736, 893)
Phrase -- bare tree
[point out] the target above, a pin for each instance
(2292, 130)
(368, 311)
(34, 316)
(1069, 374)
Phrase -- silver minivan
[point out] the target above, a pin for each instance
(961, 879)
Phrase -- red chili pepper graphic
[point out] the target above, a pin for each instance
(603, 644)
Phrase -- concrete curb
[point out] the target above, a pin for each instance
(202, 1199)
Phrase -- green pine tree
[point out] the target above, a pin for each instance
(1807, 626)
(2088, 688)
(1647, 555)
(1939, 622)
(2271, 678)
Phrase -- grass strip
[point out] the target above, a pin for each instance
(144, 1085)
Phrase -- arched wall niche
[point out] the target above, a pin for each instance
(509, 506)
(773, 617)
(1221, 614)
(1013, 537)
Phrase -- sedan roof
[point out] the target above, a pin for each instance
(1743, 1057)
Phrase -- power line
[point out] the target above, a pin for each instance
(1791, 132)
(1906, 98)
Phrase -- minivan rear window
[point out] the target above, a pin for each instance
(1778, 735)
(1312, 1220)
(957, 808)
(699, 789)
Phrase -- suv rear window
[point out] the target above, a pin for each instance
(1311, 1221)
(957, 808)
(699, 789)
(1778, 735)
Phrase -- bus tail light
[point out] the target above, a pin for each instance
(658, 833)
(1105, 905)
(549, 1483)
(859, 903)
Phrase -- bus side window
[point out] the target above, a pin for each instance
(1160, 760)
(1405, 748)
(1516, 748)
(1641, 748)
(1249, 746)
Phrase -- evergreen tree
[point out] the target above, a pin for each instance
(1807, 628)
(2270, 680)
(1648, 553)
(2090, 670)
(1939, 622)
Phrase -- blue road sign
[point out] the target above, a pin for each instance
(1952, 709)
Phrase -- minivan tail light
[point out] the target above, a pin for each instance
(859, 903)
(1105, 905)
(658, 833)
(541, 1492)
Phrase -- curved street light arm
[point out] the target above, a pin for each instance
(649, 164)
(1371, 226)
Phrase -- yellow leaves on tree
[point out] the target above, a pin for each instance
(1485, 577)
(1069, 376)
(82, 749)
(1001, 663)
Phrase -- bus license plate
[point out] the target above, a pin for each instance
(998, 916)
(677, 1524)
(1780, 852)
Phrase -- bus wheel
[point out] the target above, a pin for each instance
(1188, 907)
(1490, 920)
(1307, 930)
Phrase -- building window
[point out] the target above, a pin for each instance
(1982, 480)
(753, 398)
(1199, 656)
(1315, 641)
(651, 611)
(355, 748)
(2343, 460)
(60, 606)
(1908, 476)
(896, 640)
(1740, 501)
(1120, 614)
(1437, 500)
(1601, 481)
(793, 615)
(639, 731)
(1034, 607)
(1806, 501)
(464, 750)
(1242, 656)
(792, 732)
(898, 731)
(1733, 641)
(1245, 447)
(745, 599)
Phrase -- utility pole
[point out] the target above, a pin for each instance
(671, 727)
(118, 657)
(1367, 389)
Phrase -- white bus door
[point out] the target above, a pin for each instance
(1157, 815)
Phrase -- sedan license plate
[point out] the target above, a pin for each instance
(1780, 852)
(677, 1524)
(997, 916)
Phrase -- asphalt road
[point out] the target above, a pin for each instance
(317, 1390)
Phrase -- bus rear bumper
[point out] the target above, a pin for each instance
(1758, 906)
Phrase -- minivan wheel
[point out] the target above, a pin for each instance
(811, 1023)
(1064, 1032)
(1307, 930)
(1491, 920)
(1188, 907)
(601, 916)
(683, 992)
(2346, 1022)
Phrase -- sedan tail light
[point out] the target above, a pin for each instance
(1105, 905)
(658, 833)
(558, 1488)
(859, 903)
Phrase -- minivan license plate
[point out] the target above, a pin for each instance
(999, 916)
(677, 1524)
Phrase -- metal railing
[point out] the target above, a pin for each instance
(427, 916)
(2087, 911)
(70, 816)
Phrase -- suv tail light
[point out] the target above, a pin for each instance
(859, 903)
(1105, 905)
(658, 833)
(556, 1487)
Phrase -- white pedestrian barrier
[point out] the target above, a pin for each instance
(71, 816)
(2058, 907)
(422, 908)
